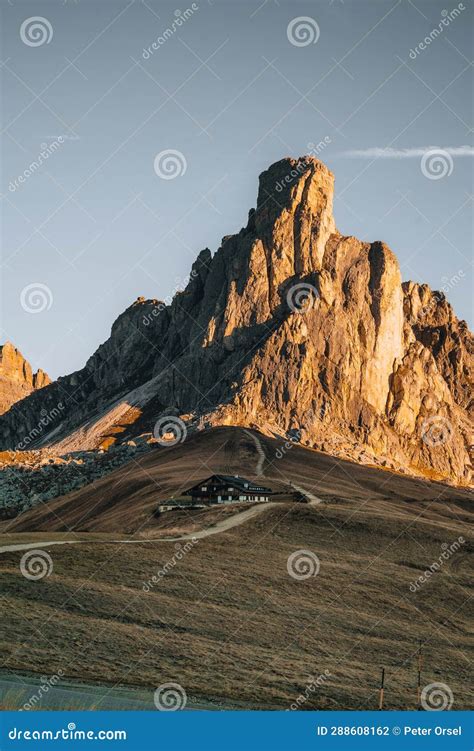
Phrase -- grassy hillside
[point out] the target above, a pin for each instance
(226, 620)
(126, 499)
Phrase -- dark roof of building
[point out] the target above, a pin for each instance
(234, 480)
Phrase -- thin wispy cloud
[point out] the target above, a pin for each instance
(375, 152)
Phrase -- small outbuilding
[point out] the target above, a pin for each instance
(228, 489)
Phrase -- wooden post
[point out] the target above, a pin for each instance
(420, 665)
(382, 681)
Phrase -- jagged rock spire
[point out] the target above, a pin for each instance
(365, 367)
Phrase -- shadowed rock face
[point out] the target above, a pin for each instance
(289, 326)
(17, 380)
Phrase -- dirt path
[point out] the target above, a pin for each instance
(313, 500)
(261, 453)
(232, 521)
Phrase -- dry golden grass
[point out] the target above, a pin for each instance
(126, 500)
(230, 624)
(227, 621)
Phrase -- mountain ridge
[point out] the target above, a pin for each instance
(289, 326)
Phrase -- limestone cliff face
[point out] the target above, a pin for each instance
(436, 327)
(290, 326)
(17, 379)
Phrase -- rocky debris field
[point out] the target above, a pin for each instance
(29, 478)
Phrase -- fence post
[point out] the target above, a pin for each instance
(420, 665)
(382, 681)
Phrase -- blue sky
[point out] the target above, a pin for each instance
(94, 226)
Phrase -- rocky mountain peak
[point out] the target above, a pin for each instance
(289, 326)
(294, 216)
(17, 379)
(290, 180)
